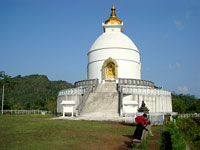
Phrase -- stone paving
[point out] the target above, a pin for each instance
(116, 119)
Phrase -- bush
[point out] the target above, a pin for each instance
(172, 139)
(190, 128)
(166, 141)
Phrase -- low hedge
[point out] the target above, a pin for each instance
(172, 139)
(190, 128)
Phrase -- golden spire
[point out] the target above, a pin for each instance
(113, 18)
(113, 11)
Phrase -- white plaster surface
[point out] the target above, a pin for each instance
(113, 43)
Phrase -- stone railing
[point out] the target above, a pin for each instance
(90, 89)
(143, 91)
(26, 111)
(136, 82)
(72, 91)
(86, 83)
(188, 115)
(156, 118)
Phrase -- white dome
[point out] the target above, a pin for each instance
(116, 49)
(113, 39)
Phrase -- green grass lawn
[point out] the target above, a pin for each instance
(35, 132)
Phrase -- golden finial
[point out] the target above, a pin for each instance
(113, 18)
(113, 11)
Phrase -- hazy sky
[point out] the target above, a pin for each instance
(53, 37)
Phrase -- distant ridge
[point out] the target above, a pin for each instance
(34, 92)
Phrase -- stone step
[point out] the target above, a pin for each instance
(96, 114)
(102, 103)
(106, 87)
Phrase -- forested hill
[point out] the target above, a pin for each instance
(33, 92)
(185, 103)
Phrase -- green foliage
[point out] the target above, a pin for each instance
(7, 104)
(31, 92)
(178, 105)
(142, 146)
(8, 84)
(7, 81)
(172, 139)
(185, 103)
(2, 73)
(195, 107)
(190, 128)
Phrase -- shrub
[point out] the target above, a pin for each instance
(190, 128)
(166, 141)
(172, 138)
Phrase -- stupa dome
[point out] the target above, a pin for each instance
(113, 39)
(113, 55)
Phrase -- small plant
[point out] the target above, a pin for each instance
(143, 145)
(172, 138)
(190, 128)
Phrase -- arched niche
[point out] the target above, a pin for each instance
(110, 69)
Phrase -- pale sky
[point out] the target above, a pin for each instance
(53, 37)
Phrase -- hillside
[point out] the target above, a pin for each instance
(185, 103)
(33, 92)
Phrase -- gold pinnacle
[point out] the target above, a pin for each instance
(113, 18)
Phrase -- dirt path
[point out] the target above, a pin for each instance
(153, 143)
(123, 142)
(120, 143)
(107, 140)
(111, 142)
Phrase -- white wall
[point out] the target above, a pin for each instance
(155, 103)
(128, 61)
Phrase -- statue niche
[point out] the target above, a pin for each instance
(109, 69)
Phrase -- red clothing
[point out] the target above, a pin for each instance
(141, 119)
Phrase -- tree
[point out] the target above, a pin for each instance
(7, 81)
(7, 85)
(185, 103)
(195, 107)
(178, 105)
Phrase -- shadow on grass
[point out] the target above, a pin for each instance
(128, 143)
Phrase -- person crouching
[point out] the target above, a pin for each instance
(141, 126)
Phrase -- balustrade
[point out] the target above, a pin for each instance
(72, 91)
(25, 111)
(135, 82)
(86, 83)
(188, 115)
(143, 91)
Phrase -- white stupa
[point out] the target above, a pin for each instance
(113, 55)
(113, 86)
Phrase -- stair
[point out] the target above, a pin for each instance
(102, 103)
